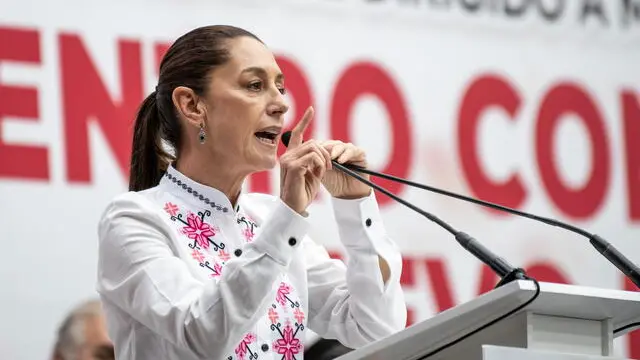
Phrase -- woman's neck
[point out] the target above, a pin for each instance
(213, 173)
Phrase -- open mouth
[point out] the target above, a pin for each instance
(268, 136)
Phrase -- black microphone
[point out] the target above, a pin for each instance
(500, 266)
(605, 248)
(613, 255)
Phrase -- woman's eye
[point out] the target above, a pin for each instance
(282, 90)
(255, 86)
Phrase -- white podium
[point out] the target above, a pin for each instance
(565, 322)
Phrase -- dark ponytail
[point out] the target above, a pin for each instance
(188, 62)
(149, 160)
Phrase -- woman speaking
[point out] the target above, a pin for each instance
(190, 267)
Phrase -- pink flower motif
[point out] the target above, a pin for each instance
(281, 294)
(198, 230)
(288, 346)
(299, 315)
(250, 338)
(242, 348)
(273, 315)
(217, 270)
(171, 209)
(224, 256)
(248, 234)
(197, 255)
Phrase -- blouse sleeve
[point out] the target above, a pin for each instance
(352, 304)
(139, 273)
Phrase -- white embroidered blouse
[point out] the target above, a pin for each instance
(183, 275)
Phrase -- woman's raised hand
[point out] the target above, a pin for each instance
(302, 167)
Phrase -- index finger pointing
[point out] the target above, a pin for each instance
(301, 126)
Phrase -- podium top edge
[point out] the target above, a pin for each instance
(578, 290)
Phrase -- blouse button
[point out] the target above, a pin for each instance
(265, 347)
(238, 252)
(292, 241)
(368, 222)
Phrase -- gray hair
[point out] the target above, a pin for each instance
(71, 331)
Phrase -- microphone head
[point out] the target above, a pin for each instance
(286, 136)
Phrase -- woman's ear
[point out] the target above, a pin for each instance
(189, 106)
(202, 107)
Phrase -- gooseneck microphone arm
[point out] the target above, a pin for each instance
(605, 248)
(501, 267)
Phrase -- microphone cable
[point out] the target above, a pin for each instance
(623, 328)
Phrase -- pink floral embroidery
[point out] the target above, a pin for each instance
(281, 295)
(217, 270)
(197, 255)
(243, 347)
(224, 256)
(249, 227)
(288, 346)
(198, 230)
(248, 234)
(299, 315)
(171, 209)
(273, 315)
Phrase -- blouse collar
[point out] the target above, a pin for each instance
(196, 193)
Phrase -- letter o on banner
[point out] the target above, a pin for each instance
(366, 78)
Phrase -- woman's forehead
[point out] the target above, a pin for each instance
(248, 53)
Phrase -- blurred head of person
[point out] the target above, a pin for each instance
(83, 335)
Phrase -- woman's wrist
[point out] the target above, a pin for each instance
(355, 196)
